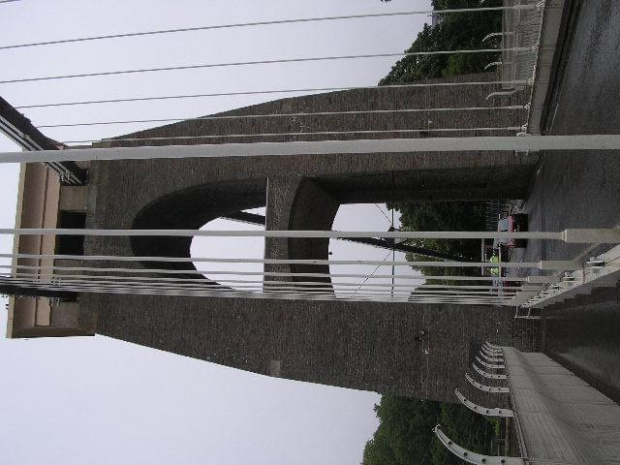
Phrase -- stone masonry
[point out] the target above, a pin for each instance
(359, 345)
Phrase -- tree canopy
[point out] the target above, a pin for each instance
(458, 31)
(444, 216)
(405, 434)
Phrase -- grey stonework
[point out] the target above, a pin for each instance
(358, 345)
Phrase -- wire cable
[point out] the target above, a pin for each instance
(417, 264)
(270, 91)
(124, 290)
(203, 286)
(589, 237)
(288, 115)
(371, 274)
(199, 273)
(262, 261)
(248, 283)
(260, 62)
(383, 213)
(289, 134)
(257, 24)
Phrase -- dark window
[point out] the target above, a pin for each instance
(71, 245)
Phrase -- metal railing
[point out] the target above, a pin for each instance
(521, 27)
(156, 277)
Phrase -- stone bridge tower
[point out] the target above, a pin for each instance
(361, 345)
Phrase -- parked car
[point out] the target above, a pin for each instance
(512, 223)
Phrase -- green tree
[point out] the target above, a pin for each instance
(405, 434)
(456, 31)
(444, 216)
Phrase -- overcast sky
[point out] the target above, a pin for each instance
(101, 401)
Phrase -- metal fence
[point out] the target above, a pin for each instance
(521, 28)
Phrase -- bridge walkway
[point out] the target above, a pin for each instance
(561, 419)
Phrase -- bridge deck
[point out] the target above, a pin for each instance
(562, 419)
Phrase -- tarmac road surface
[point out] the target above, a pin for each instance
(580, 189)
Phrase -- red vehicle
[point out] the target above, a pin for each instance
(513, 223)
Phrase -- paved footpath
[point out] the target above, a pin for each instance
(562, 419)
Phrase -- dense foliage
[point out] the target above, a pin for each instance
(462, 31)
(444, 216)
(405, 434)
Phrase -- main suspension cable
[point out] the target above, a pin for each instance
(290, 115)
(260, 62)
(289, 134)
(259, 24)
(576, 235)
(516, 83)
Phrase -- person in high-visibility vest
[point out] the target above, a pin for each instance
(495, 271)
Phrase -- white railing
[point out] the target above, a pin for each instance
(154, 276)
(522, 28)
(596, 272)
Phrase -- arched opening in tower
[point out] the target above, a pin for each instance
(232, 261)
(373, 280)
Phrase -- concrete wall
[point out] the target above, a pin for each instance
(73, 198)
(41, 198)
(39, 191)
